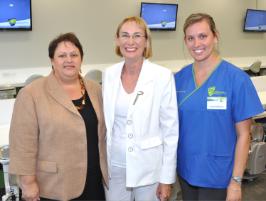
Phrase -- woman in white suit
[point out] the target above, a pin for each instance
(141, 118)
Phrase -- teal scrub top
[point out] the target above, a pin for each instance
(207, 115)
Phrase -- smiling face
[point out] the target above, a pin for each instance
(66, 61)
(200, 41)
(131, 41)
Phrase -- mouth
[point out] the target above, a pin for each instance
(130, 49)
(69, 66)
(198, 51)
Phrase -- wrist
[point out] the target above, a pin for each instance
(237, 179)
(27, 180)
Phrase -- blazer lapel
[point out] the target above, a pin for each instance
(143, 86)
(92, 93)
(58, 93)
(146, 75)
(113, 89)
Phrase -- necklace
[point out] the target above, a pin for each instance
(82, 88)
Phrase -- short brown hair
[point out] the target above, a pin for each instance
(67, 37)
(198, 17)
(148, 50)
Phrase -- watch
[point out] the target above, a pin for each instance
(237, 179)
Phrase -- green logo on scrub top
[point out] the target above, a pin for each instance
(211, 91)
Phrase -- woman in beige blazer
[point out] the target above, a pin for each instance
(57, 134)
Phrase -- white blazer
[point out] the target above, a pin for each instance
(152, 124)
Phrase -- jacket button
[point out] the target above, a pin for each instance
(130, 135)
(130, 149)
(129, 122)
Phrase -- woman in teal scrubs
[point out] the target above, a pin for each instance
(216, 103)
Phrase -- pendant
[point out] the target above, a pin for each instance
(83, 101)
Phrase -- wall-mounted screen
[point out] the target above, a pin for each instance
(159, 16)
(255, 20)
(15, 15)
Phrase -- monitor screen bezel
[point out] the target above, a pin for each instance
(21, 28)
(244, 25)
(160, 29)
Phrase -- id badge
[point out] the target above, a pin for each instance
(216, 103)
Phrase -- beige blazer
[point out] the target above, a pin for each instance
(48, 138)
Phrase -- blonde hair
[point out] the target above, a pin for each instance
(139, 21)
(198, 17)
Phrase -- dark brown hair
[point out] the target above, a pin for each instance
(67, 37)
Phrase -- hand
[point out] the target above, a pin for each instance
(234, 192)
(163, 191)
(30, 188)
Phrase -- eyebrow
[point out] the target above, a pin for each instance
(133, 33)
(201, 33)
(63, 52)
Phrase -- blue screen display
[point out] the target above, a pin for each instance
(159, 16)
(255, 20)
(15, 14)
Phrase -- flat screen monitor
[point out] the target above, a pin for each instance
(15, 15)
(255, 20)
(159, 16)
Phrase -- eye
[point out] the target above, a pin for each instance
(62, 55)
(189, 38)
(124, 36)
(74, 55)
(202, 36)
(137, 36)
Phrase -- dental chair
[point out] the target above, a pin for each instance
(31, 78)
(11, 187)
(254, 69)
(256, 163)
(95, 75)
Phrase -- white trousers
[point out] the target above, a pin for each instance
(119, 192)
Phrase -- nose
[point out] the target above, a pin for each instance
(196, 42)
(69, 58)
(131, 39)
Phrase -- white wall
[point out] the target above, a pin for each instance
(95, 22)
